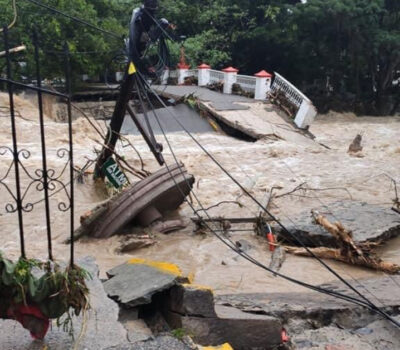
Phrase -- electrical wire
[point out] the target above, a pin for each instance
(76, 19)
(318, 198)
(265, 209)
(232, 246)
(369, 303)
(366, 301)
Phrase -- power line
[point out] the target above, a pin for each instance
(232, 246)
(74, 18)
(262, 207)
(366, 303)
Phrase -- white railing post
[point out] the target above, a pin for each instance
(230, 78)
(306, 114)
(182, 72)
(263, 85)
(165, 76)
(204, 74)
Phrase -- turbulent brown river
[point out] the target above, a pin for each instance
(286, 163)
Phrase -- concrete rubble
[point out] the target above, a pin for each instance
(178, 305)
(135, 282)
(314, 321)
(165, 342)
(367, 222)
(145, 202)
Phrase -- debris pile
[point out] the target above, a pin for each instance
(167, 301)
(356, 253)
(144, 202)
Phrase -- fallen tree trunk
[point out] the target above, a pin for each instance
(349, 251)
(335, 254)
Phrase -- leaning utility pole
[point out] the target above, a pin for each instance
(142, 22)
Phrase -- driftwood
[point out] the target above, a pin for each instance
(356, 253)
(356, 145)
(279, 98)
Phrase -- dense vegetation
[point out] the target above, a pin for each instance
(345, 54)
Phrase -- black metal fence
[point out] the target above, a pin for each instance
(44, 179)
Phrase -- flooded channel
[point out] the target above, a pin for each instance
(258, 166)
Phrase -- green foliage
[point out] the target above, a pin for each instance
(54, 290)
(55, 30)
(344, 54)
(178, 333)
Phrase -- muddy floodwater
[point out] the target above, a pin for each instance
(259, 166)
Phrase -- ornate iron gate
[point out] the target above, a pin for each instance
(44, 179)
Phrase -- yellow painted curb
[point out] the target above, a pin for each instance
(197, 286)
(226, 346)
(159, 265)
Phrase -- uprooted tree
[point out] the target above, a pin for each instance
(349, 251)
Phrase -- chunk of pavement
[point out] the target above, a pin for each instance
(135, 282)
(383, 337)
(190, 299)
(102, 327)
(136, 328)
(319, 309)
(135, 243)
(368, 222)
(168, 226)
(164, 342)
(241, 330)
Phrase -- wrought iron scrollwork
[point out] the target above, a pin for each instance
(37, 180)
(43, 180)
(9, 207)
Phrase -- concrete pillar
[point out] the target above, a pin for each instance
(165, 76)
(230, 77)
(182, 72)
(263, 85)
(204, 74)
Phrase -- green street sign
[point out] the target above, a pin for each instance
(114, 173)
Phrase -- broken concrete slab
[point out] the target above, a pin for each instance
(169, 226)
(135, 282)
(241, 330)
(145, 201)
(187, 116)
(379, 335)
(133, 243)
(102, 327)
(317, 308)
(136, 328)
(368, 222)
(221, 102)
(164, 342)
(194, 300)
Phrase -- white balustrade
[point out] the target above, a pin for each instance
(306, 111)
(216, 76)
(246, 82)
(292, 93)
(192, 73)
